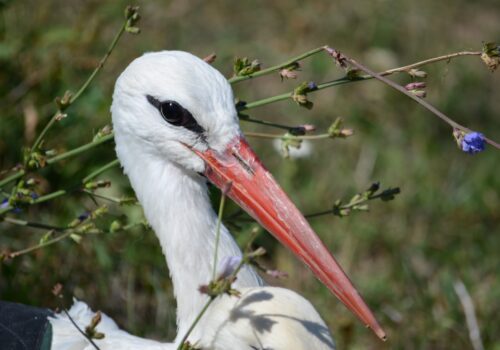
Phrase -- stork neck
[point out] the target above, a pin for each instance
(178, 208)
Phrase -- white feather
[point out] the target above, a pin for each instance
(164, 176)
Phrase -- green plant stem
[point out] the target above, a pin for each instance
(345, 206)
(231, 277)
(101, 196)
(66, 155)
(80, 149)
(269, 70)
(66, 232)
(39, 225)
(217, 233)
(101, 63)
(108, 198)
(40, 245)
(287, 137)
(101, 170)
(266, 123)
(12, 177)
(265, 101)
(40, 199)
(49, 196)
(80, 330)
(82, 89)
(195, 322)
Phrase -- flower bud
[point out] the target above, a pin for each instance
(417, 73)
(415, 85)
(210, 58)
(287, 73)
(419, 93)
(308, 127)
(312, 86)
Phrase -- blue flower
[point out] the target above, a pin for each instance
(5, 204)
(312, 86)
(473, 142)
(84, 216)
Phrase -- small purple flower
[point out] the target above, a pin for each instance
(84, 216)
(227, 266)
(312, 86)
(415, 85)
(5, 204)
(33, 195)
(473, 143)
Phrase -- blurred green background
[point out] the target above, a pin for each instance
(403, 255)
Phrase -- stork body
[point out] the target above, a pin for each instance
(261, 318)
(176, 204)
(176, 128)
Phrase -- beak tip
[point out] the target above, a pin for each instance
(380, 333)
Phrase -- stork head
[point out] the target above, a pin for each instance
(171, 106)
(169, 99)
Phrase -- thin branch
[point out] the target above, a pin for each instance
(287, 137)
(447, 57)
(101, 170)
(277, 67)
(419, 100)
(80, 91)
(12, 177)
(217, 233)
(80, 330)
(39, 245)
(65, 232)
(80, 149)
(357, 200)
(37, 225)
(224, 286)
(108, 198)
(265, 122)
(195, 322)
(116, 200)
(38, 200)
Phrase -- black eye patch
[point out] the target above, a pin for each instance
(173, 113)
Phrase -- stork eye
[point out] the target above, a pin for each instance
(175, 114)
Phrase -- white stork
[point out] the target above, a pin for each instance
(176, 128)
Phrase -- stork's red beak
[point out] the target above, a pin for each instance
(248, 183)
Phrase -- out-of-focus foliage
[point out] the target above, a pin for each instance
(403, 255)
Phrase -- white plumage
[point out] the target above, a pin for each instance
(165, 176)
